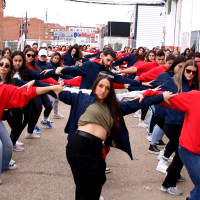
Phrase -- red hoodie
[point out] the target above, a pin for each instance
(187, 102)
(11, 97)
(147, 66)
(152, 74)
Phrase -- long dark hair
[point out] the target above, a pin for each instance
(178, 59)
(24, 70)
(184, 53)
(137, 56)
(112, 103)
(178, 78)
(9, 77)
(77, 54)
(147, 55)
(36, 68)
(60, 64)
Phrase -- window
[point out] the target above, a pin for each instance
(51, 37)
(71, 29)
(51, 30)
(46, 36)
(46, 33)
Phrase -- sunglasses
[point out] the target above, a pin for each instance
(105, 75)
(7, 65)
(31, 55)
(196, 61)
(189, 71)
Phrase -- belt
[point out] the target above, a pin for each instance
(89, 136)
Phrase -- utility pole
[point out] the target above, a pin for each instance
(26, 27)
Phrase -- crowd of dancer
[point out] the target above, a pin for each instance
(158, 80)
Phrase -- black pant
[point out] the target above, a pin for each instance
(37, 109)
(173, 132)
(144, 112)
(87, 165)
(160, 122)
(15, 125)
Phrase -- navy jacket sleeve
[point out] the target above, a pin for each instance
(84, 59)
(91, 55)
(129, 107)
(121, 60)
(124, 80)
(67, 97)
(36, 75)
(135, 88)
(19, 82)
(75, 71)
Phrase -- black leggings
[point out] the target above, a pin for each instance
(87, 165)
(173, 132)
(33, 117)
(144, 112)
(15, 125)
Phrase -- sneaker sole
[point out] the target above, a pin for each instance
(161, 170)
(46, 126)
(57, 117)
(153, 152)
(32, 138)
(148, 139)
(142, 126)
(161, 146)
(18, 150)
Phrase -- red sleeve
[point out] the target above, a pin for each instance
(118, 86)
(50, 81)
(20, 97)
(182, 101)
(149, 93)
(73, 82)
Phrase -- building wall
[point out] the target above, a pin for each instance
(1, 24)
(183, 19)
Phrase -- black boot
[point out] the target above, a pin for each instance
(153, 149)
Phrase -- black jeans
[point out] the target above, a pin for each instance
(87, 165)
(173, 132)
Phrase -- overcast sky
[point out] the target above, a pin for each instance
(71, 13)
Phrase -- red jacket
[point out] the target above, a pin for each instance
(152, 74)
(187, 102)
(77, 82)
(11, 97)
(147, 66)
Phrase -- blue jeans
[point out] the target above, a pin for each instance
(6, 148)
(192, 164)
(157, 135)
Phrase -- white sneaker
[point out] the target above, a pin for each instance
(149, 137)
(162, 166)
(12, 162)
(14, 166)
(58, 116)
(171, 190)
(31, 136)
(142, 124)
(161, 155)
(19, 143)
(17, 148)
(0, 181)
(137, 114)
(101, 198)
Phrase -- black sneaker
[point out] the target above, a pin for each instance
(153, 149)
(160, 143)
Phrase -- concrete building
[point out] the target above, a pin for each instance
(182, 27)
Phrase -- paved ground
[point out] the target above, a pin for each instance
(43, 172)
